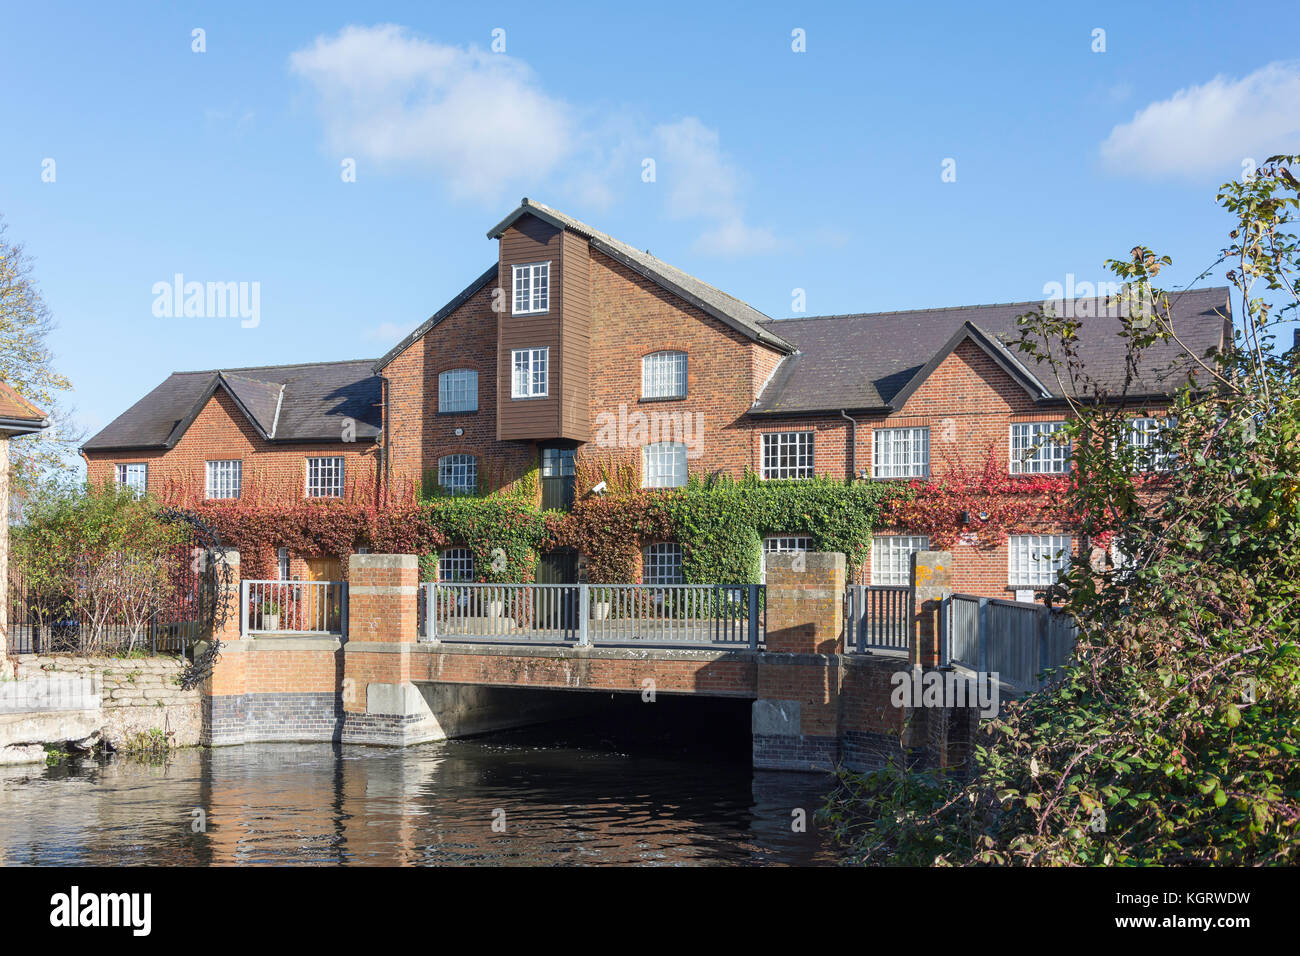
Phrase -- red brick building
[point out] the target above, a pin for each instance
(574, 346)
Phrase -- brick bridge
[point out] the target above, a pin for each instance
(813, 705)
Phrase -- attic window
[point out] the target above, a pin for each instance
(532, 286)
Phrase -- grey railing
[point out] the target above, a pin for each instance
(1013, 639)
(293, 607)
(635, 615)
(877, 617)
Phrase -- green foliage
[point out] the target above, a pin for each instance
(505, 533)
(1173, 736)
(722, 522)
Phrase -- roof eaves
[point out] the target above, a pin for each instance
(460, 299)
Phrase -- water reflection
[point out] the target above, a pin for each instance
(564, 795)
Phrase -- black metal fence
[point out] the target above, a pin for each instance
(45, 622)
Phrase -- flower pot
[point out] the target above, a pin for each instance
(600, 610)
(270, 622)
(494, 608)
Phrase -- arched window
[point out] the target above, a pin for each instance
(663, 375)
(456, 565)
(458, 474)
(458, 390)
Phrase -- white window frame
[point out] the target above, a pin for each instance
(222, 478)
(663, 465)
(1143, 433)
(530, 378)
(784, 544)
(460, 562)
(536, 296)
(664, 374)
(891, 557)
(661, 563)
(1048, 457)
(458, 390)
(801, 446)
(133, 475)
(458, 474)
(900, 453)
(282, 566)
(1035, 560)
(324, 484)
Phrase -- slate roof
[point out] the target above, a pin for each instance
(872, 362)
(285, 403)
(726, 308)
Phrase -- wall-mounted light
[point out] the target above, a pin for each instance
(459, 432)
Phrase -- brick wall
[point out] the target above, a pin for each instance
(222, 432)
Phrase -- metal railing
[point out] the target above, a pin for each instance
(1015, 640)
(293, 607)
(631, 615)
(877, 617)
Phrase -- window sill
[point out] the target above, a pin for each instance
(665, 398)
(527, 398)
(468, 411)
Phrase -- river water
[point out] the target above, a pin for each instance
(566, 793)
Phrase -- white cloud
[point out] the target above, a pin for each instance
(703, 183)
(482, 123)
(480, 120)
(1212, 128)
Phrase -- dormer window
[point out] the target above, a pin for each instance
(532, 288)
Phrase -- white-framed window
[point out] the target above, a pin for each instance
(663, 465)
(1036, 449)
(532, 290)
(787, 454)
(784, 544)
(529, 379)
(1144, 437)
(134, 476)
(661, 563)
(663, 375)
(891, 557)
(900, 453)
(1034, 560)
(456, 565)
(282, 563)
(458, 390)
(223, 478)
(458, 474)
(324, 477)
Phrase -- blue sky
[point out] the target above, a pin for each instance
(774, 170)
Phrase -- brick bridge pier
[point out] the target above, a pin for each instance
(814, 706)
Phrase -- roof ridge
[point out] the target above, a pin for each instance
(966, 308)
(256, 368)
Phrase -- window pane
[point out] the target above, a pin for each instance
(458, 391)
(458, 474)
(788, 455)
(662, 563)
(223, 478)
(1033, 560)
(901, 452)
(663, 375)
(324, 477)
(663, 465)
(133, 476)
(456, 564)
(530, 372)
(891, 557)
(1036, 450)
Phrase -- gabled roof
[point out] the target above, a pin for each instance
(283, 403)
(461, 298)
(729, 310)
(873, 362)
(17, 414)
